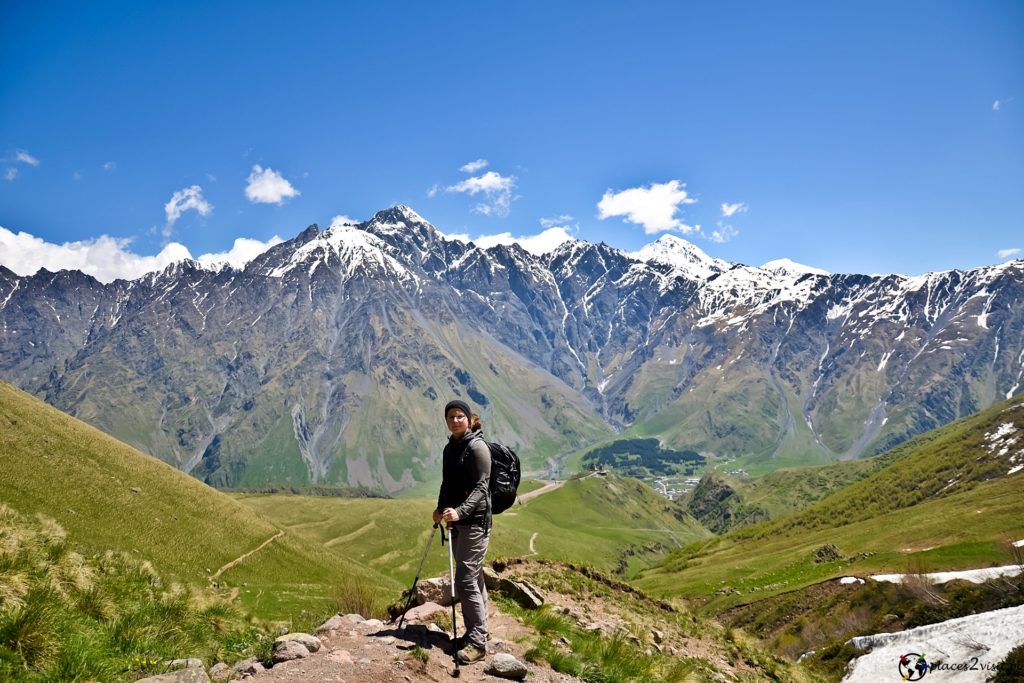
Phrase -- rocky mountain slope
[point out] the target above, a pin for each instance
(329, 357)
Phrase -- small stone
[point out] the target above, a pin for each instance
(248, 667)
(135, 489)
(505, 665)
(372, 623)
(220, 672)
(659, 636)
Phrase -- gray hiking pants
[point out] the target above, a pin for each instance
(469, 545)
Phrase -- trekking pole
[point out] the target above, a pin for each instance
(412, 591)
(451, 568)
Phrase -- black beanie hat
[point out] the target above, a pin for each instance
(461, 405)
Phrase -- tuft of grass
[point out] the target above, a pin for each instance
(419, 653)
(358, 595)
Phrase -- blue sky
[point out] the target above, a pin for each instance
(865, 137)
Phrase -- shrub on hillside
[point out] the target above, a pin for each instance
(1012, 668)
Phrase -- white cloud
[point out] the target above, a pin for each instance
(652, 207)
(729, 210)
(564, 219)
(267, 186)
(109, 166)
(26, 158)
(538, 244)
(109, 258)
(724, 233)
(474, 166)
(495, 187)
(432, 192)
(10, 173)
(1007, 253)
(244, 250)
(996, 105)
(183, 200)
(541, 243)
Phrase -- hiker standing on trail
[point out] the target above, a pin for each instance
(464, 504)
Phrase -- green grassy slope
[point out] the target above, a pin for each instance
(109, 496)
(589, 521)
(786, 491)
(947, 503)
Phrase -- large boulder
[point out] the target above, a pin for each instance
(437, 589)
(424, 613)
(289, 650)
(335, 623)
(491, 579)
(526, 594)
(312, 643)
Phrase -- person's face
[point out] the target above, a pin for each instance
(458, 422)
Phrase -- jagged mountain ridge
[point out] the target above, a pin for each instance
(327, 357)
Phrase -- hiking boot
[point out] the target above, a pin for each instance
(470, 654)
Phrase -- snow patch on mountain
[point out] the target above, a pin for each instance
(971, 575)
(981, 638)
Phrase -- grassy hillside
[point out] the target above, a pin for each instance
(590, 521)
(948, 502)
(786, 491)
(725, 501)
(108, 496)
(109, 617)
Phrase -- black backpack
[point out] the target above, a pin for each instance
(505, 475)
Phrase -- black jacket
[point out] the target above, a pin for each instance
(465, 478)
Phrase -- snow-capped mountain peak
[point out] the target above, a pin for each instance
(396, 218)
(684, 257)
(785, 266)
